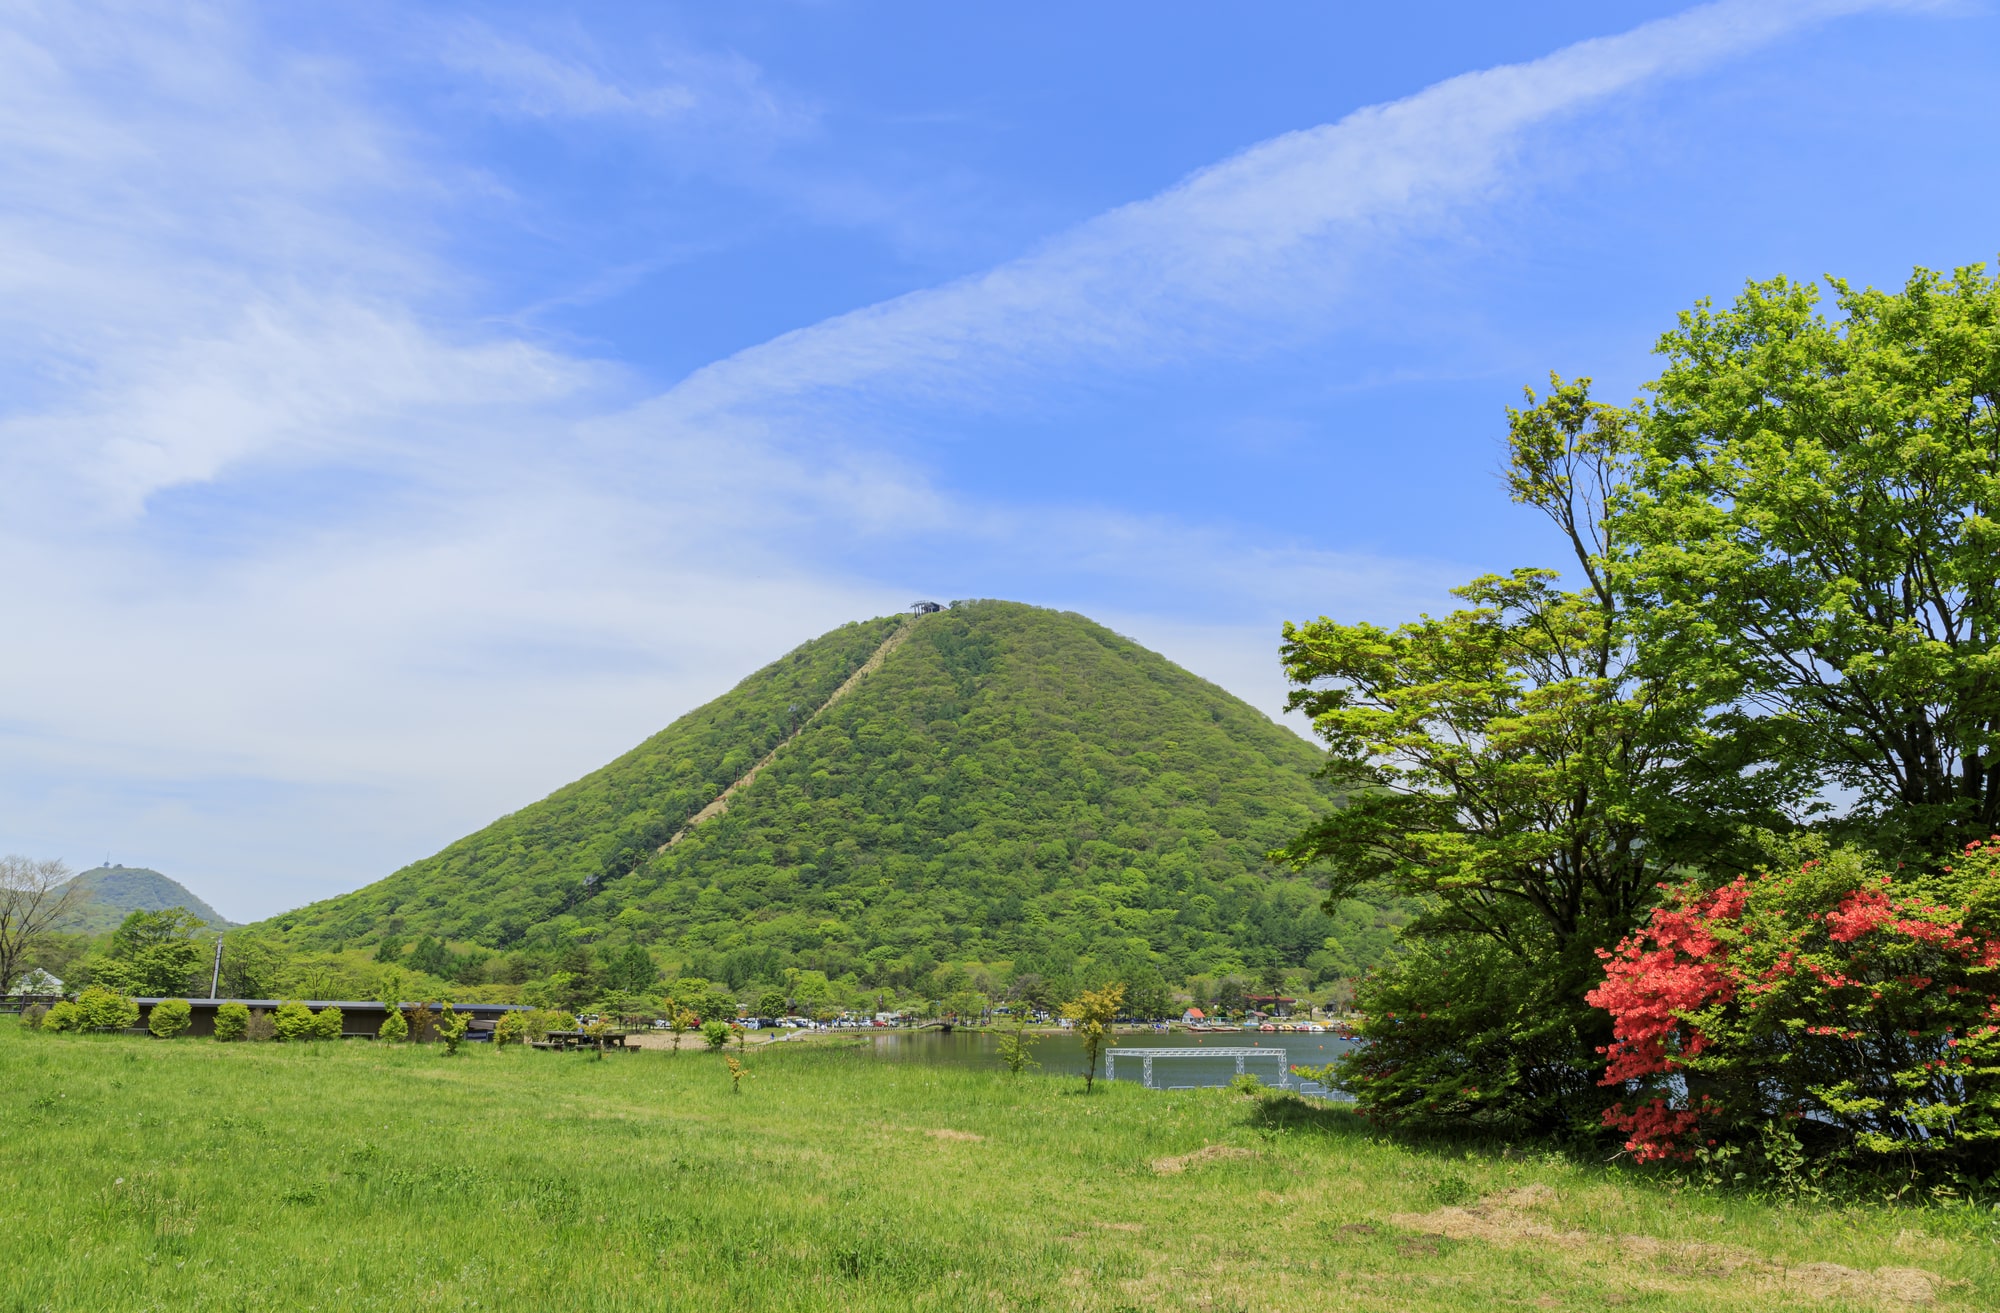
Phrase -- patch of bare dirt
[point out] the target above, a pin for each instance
(1506, 1219)
(943, 1133)
(1499, 1219)
(1898, 1285)
(1688, 1258)
(1208, 1153)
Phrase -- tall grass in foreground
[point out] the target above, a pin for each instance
(188, 1174)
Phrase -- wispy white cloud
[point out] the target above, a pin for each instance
(217, 281)
(565, 77)
(286, 523)
(1262, 239)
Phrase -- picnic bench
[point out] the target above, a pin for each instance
(564, 1040)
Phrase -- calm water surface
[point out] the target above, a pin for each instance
(1062, 1054)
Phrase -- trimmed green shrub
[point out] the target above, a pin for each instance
(451, 1028)
(170, 1017)
(31, 1016)
(292, 1021)
(1462, 1035)
(512, 1028)
(232, 1022)
(105, 1009)
(716, 1033)
(63, 1016)
(394, 1027)
(326, 1023)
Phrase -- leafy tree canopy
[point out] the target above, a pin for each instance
(152, 954)
(1812, 528)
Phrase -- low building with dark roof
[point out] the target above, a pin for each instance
(358, 1017)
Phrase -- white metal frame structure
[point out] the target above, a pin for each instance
(1146, 1057)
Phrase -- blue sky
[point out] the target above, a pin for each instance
(408, 409)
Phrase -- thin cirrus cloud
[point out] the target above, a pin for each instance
(1260, 240)
(686, 87)
(208, 263)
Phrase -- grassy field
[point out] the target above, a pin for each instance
(194, 1175)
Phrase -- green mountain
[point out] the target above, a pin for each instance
(108, 893)
(998, 783)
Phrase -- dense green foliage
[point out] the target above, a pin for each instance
(178, 1176)
(1522, 771)
(150, 954)
(1460, 1034)
(1836, 1009)
(1814, 513)
(1787, 611)
(62, 1015)
(512, 1028)
(169, 1017)
(293, 1021)
(1012, 786)
(232, 1021)
(98, 1008)
(106, 895)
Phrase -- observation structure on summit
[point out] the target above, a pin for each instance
(926, 608)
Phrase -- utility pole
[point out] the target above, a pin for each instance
(215, 980)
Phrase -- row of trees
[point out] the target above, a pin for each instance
(1776, 628)
(170, 952)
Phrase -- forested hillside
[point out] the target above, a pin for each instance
(1013, 784)
(108, 893)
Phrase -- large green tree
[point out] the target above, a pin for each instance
(1784, 607)
(1523, 762)
(1811, 521)
(153, 953)
(1524, 771)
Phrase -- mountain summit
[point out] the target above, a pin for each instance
(108, 893)
(990, 781)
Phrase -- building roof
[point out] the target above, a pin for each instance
(344, 1004)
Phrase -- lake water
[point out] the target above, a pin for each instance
(1063, 1055)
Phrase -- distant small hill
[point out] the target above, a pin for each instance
(110, 893)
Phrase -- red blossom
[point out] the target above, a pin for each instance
(1653, 1129)
(1861, 911)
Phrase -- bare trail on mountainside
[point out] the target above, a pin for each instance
(868, 667)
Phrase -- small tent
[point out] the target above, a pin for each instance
(38, 981)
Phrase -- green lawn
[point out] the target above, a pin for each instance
(193, 1175)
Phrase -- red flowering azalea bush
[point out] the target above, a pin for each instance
(1857, 1010)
